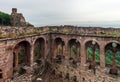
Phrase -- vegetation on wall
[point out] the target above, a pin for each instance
(21, 56)
(74, 50)
(5, 19)
(37, 53)
(97, 53)
(109, 54)
(59, 49)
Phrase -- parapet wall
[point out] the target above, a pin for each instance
(13, 32)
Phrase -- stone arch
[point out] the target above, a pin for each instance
(108, 46)
(92, 53)
(112, 51)
(111, 41)
(21, 54)
(39, 49)
(38, 38)
(74, 49)
(58, 46)
(89, 39)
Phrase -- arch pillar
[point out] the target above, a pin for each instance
(46, 49)
(16, 59)
(50, 48)
(32, 55)
(83, 56)
(102, 56)
(66, 50)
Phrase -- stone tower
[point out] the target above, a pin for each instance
(17, 19)
(14, 11)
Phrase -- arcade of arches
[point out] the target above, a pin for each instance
(89, 53)
(22, 57)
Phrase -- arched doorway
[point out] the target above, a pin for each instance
(39, 49)
(93, 53)
(58, 47)
(112, 51)
(21, 54)
(74, 49)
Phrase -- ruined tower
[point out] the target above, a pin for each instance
(17, 19)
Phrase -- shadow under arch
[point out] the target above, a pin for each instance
(74, 49)
(112, 51)
(21, 54)
(92, 53)
(39, 49)
(58, 46)
(1, 74)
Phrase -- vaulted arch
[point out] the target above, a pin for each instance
(39, 49)
(93, 53)
(21, 54)
(58, 46)
(74, 49)
(112, 51)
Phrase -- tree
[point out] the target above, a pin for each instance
(5, 19)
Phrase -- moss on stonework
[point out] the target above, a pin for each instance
(29, 31)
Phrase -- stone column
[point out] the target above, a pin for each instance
(114, 69)
(102, 56)
(83, 56)
(32, 55)
(46, 49)
(93, 63)
(66, 50)
(16, 59)
(51, 47)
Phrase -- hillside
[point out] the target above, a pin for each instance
(5, 18)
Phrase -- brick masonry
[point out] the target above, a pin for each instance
(49, 34)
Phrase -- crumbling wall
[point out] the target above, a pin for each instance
(17, 19)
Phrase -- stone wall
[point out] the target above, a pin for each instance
(49, 34)
(11, 32)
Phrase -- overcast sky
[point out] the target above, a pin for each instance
(66, 12)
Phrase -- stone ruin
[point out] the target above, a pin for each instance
(17, 19)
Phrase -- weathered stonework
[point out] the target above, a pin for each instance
(17, 19)
(49, 36)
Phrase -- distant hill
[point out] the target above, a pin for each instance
(5, 19)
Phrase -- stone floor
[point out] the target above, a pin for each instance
(87, 75)
(63, 69)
